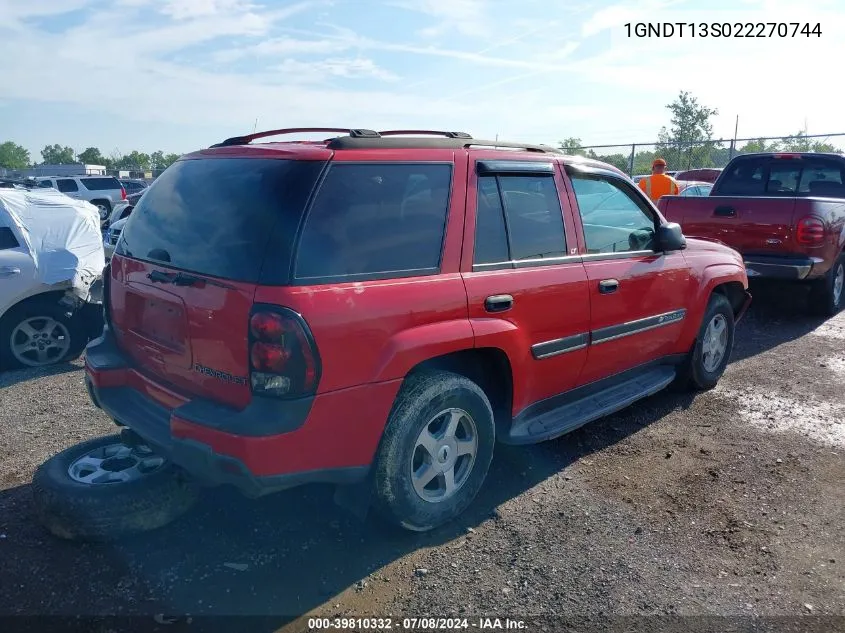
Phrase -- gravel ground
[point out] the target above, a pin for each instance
(729, 503)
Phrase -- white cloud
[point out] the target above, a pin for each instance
(467, 17)
(316, 71)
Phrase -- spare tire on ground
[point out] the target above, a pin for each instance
(104, 489)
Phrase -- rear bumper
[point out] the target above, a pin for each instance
(780, 267)
(190, 434)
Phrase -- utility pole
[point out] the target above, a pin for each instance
(255, 126)
(733, 142)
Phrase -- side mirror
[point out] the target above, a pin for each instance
(670, 238)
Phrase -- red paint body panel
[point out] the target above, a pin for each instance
(343, 430)
(648, 285)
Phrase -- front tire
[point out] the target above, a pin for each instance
(103, 489)
(435, 452)
(708, 359)
(827, 294)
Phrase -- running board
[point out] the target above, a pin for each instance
(575, 414)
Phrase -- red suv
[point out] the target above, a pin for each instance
(383, 307)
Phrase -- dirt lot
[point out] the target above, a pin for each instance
(731, 503)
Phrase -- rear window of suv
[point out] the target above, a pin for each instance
(375, 221)
(99, 184)
(219, 216)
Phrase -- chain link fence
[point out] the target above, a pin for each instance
(636, 158)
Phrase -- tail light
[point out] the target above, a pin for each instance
(810, 231)
(283, 357)
(122, 193)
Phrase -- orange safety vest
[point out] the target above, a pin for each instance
(658, 185)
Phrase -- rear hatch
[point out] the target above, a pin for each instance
(190, 257)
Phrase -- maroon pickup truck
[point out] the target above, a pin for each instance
(784, 212)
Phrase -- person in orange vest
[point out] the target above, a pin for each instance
(659, 184)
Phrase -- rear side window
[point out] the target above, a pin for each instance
(745, 178)
(99, 184)
(66, 185)
(7, 238)
(518, 218)
(822, 178)
(375, 220)
(220, 216)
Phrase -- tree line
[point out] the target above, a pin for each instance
(688, 142)
(14, 156)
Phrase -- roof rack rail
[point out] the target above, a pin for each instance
(393, 142)
(424, 132)
(248, 138)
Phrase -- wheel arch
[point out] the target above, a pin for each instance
(488, 367)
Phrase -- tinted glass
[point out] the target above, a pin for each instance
(822, 178)
(745, 178)
(491, 239)
(220, 216)
(99, 184)
(7, 238)
(376, 219)
(66, 184)
(44, 184)
(534, 219)
(612, 217)
(783, 177)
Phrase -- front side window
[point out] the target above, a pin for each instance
(518, 218)
(613, 220)
(376, 220)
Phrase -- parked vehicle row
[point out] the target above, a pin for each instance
(379, 310)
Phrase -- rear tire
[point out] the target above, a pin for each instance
(441, 422)
(826, 294)
(73, 510)
(709, 357)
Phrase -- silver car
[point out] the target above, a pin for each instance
(104, 192)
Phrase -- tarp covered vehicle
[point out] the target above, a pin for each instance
(51, 266)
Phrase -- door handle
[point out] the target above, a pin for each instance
(607, 286)
(725, 212)
(498, 303)
(8, 271)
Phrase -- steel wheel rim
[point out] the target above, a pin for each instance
(838, 283)
(715, 342)
(115, 464)
(444, 455)
(39, 341)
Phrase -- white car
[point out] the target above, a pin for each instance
(51, 266)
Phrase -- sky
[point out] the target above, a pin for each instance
(177, 75)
